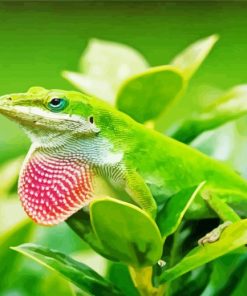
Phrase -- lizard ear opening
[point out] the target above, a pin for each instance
(93, 126)
(91, 119)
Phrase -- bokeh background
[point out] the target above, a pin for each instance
(41, 39)
(38, 40)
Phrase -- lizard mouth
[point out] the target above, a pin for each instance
(36, 115)
(52, 189)
(36, 118)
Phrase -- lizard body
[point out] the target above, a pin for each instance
(83, 149)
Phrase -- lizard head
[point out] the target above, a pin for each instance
(50, 116)
(54, 182)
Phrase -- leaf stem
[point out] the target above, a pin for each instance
(142, 278)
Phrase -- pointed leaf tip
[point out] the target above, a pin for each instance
(190, 59)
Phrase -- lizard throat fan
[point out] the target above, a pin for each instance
(52, 188)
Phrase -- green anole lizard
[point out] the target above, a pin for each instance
(82, 148)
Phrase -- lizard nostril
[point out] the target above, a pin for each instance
(9, 99)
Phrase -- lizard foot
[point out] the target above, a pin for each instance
(214, 235)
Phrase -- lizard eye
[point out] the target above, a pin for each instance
(57, 104)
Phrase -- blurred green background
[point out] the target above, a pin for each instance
(40, 39)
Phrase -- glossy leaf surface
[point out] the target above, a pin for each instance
(78, 273)
(146, 95)
(126, 231)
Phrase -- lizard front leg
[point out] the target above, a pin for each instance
(137, 189)
(128, 180)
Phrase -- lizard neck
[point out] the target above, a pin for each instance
(56, 182)
(95, 151)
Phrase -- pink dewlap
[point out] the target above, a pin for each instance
(52, 189)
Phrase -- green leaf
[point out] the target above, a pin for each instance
(146, 95)
(172, 214)
(78, 273)
(126, 231)
(104, 66)
(113, 60)
(9, 260)
(232, 238)
(93, 86)
(230, 106)
(81, 224)
(226, 274)
(189, 60)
